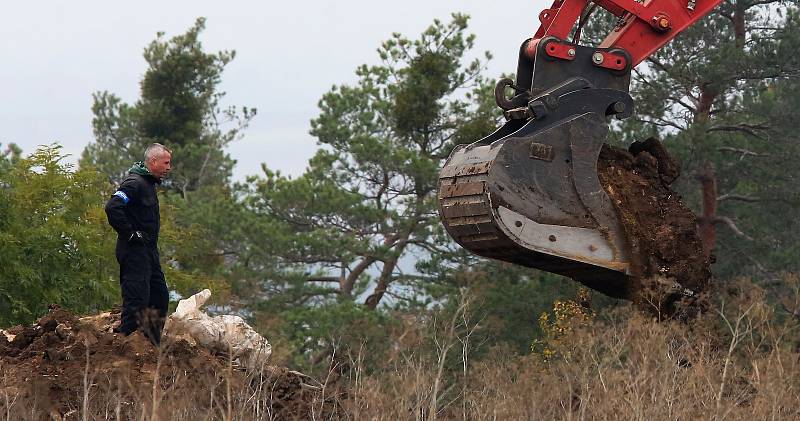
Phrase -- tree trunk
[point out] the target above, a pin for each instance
(706, 176)
(346, 284)
(708, 183)
(708, 93)
(739, 27)
(383, 284)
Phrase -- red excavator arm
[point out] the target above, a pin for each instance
(643, 27)
(530, 192)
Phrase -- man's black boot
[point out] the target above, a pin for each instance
(125, 332)
(153, 337)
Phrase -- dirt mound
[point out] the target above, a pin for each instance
(661, 230)
(64, 366)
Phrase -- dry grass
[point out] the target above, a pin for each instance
(737, 362)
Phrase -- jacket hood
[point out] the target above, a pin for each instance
(141, 169)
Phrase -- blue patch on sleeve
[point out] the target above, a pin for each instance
(122, 195)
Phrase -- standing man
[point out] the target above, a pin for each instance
(133, 212)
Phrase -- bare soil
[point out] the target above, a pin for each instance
(661, 230)
(51, 369)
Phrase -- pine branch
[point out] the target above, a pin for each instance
(739, 197)
(744, 152)
(729, 222)
(750, 129)
(324, 279)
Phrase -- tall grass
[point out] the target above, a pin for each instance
(738, 361)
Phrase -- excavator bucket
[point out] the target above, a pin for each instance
(529, 193)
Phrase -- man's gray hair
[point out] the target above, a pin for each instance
(154, 150)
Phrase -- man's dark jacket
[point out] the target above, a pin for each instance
(134, 206)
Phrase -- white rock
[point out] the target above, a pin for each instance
(227, 334)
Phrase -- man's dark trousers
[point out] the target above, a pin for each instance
(145, 296)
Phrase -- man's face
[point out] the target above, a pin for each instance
(160, 165)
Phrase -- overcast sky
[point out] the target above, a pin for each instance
(55, 54)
